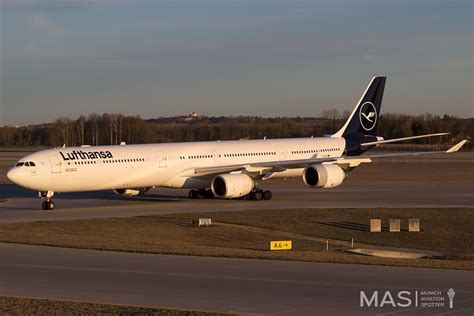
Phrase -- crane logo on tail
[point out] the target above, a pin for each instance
(368, 116)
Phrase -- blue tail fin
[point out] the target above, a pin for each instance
(362, 123)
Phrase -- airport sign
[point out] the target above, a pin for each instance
(281, 245)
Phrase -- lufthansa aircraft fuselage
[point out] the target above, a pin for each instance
(75, 169)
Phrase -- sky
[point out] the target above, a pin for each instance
(231, 57)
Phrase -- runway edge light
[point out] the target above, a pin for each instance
(281, 245)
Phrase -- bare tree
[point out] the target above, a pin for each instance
(80, 127)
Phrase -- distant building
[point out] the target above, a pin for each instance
(188, 118)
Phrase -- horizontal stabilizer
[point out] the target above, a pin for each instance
(453, 149)
(456, 147)
(395, 140)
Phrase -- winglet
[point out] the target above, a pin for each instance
(456, 147)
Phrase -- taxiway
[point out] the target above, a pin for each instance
(412, 182)
(221, 284)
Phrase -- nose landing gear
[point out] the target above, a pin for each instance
(47, 198)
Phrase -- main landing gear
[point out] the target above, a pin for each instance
(201, 194)
(47, 198)
(259, 195)
(256, 195)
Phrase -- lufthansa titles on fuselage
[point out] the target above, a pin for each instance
(79, 154)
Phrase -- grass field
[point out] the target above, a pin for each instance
(449, 231)
(33, 306)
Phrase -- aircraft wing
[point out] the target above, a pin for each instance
(275, 166)
(279, 166)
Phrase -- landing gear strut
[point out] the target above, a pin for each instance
(47, 198)
(201, 194)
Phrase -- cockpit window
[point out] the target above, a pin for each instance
(26, 164)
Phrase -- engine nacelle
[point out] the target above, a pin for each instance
(131, 192)
(323, 176)
(232, 185)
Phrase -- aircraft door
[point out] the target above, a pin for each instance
(215, 155)
(281, 153)
(161, 160)
(55, 164)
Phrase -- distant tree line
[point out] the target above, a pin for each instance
(112, 129)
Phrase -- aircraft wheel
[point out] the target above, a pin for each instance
(209, 194)
(50, 205)
(251, 196)
(44, 205)
(267, 195)
(192, 194)
(201, 194)
(258, 195)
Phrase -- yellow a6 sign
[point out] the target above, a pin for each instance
(280, 245)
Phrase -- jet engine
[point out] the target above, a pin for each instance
(232, 185)
(323, 176)
(131, 192)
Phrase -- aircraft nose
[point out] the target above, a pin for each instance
(12, 175)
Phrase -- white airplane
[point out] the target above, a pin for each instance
(226, 169)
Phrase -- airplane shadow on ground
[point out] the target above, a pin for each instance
(348, 225)
(355, 226)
